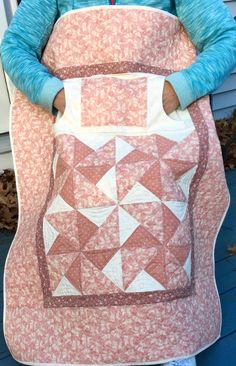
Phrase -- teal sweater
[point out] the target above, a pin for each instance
(209, 24)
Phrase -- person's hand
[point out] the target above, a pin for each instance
(60, 101)
(170, 100)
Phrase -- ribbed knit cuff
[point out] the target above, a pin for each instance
(181, 88)
(50, 89)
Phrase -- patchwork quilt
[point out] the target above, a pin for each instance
(120, 204)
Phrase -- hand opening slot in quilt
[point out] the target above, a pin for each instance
(126, 102)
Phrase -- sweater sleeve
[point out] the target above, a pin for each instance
(212, 29)
(21, 51)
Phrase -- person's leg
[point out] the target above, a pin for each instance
(183, 362)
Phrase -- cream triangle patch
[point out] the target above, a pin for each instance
(65, 288)
(144, 282)
(139, 194)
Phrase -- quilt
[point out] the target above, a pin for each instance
(120, 203)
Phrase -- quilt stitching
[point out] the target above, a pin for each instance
(95, 271)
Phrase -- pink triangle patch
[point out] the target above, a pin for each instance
(145, 144)
(136, 156)
(74, 273)
(87, 194)
(100, 257)
(80, 151)
(107, 235)
(67, 192)
(65, 148)
(187, 149)
(105, 155)
(140, 238)
(156, 268)
(64, 222)
(149, 215)
(172, 265)
(61, 167)
(170, 223)
(179, 167)
(94, 173)
(63, 245)
(178, 279)
(57, 186)
(180, 252)
(152, 179)
(182, 235)
(57, 266)
(86, 229)
(128, 174)
(95, 282)
(134, 261)
(171, 191)
(176, 275)
(164, 145)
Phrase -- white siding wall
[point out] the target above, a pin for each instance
(6, 160)
(4, 98)
(224, 98)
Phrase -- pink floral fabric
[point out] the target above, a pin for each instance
(63, 301)
(105, 102)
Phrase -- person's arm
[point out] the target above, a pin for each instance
(21, 50)
(212, 29)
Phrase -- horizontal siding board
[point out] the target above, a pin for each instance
(232, 6)
(5, 143)
(224, 100)
(223, 113)
(6, 162)
(228, 85)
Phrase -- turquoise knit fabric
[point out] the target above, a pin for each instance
(209, 24)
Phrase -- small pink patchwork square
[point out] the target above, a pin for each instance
(112, 101)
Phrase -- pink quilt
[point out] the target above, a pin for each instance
(120, 203)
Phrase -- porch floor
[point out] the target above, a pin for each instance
(222, 352)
